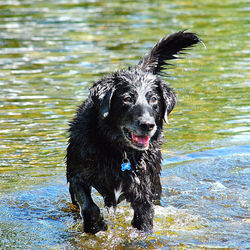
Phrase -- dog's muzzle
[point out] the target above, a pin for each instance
(139, 139)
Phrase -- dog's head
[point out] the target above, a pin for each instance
(136, 101)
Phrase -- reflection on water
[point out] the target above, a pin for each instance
(207, 154)
(50, 53)
(204, 203)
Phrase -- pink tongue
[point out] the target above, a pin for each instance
(143, 140)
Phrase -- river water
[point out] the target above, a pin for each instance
(52, 51)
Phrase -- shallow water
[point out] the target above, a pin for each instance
(51, 52)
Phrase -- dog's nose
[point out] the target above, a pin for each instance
(146, 126)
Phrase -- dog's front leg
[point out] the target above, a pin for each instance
(92, 220)
(143, 215)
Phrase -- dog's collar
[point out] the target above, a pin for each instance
(126, 165)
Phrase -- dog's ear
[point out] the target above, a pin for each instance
(101, 94)
(106, 102)
(169, 99)
(167, 49)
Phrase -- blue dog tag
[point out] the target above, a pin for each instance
(126, 165)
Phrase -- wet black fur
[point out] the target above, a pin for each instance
(97, 142)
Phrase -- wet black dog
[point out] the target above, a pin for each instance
(115, 137)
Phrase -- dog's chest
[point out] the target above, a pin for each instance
(126, 188)
(118, 192)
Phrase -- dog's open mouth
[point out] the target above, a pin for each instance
(139, 141)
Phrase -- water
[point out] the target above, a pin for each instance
(52, 51)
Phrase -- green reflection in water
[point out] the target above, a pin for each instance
(51, 52)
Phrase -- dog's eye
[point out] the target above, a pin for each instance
(153, 100)
(128, 99)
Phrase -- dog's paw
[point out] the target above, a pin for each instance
(95, 227)
(145, 227)
(144, 223)
(93, 222)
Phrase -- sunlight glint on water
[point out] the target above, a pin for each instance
(52, 51)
